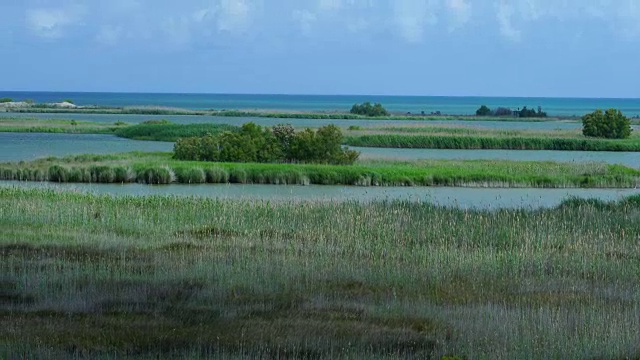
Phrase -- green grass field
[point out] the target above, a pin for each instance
(160, 168)
(32, 125)
(86, 276)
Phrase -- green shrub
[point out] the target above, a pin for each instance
(263, 145)
(611, 124)
(119, 123)
(530, 113)
(483, 111)
(5, 100)
(367, 109)
(68, 101)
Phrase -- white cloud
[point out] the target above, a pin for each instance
(52, 23)
(234, 15)
(412, 16)
(460, 11)
(505, 20)
(109, 34)
(306, 19)
(330, 5)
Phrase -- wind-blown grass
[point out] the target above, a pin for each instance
(160, 168)
(163, 277)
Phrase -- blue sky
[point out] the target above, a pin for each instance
(581, 48)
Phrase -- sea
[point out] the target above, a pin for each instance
(449, 105)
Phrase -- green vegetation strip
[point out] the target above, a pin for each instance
(88, 276)
(262, 114)
(33, 125)
(160, 168)
(170, 132)
(490, 142)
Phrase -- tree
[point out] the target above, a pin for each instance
(611, 124)
(483, 111)
(264, 145)
(367, 109)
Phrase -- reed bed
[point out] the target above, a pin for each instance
(171, 132)
(32, 125)
(492, 142)
(85, 276)
(160, 168)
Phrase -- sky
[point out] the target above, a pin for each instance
(547, 48)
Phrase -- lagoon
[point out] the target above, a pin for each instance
(30, 146)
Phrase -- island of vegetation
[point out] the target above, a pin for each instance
(163, 168)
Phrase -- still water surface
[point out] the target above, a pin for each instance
(30, 146)
(451, 197)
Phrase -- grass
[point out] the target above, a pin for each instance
(425, 137)
(25, 125)
(460, 137)
(476, 142)
(170, 132)
(153, 110)
(160, 168)
(157, 277)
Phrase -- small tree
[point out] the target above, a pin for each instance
(611, 124)
(503, 112)
(367, 109)
(483, 111)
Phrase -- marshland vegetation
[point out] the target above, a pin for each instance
(161, 168)
(147, 277)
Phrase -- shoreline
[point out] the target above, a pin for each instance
(336, 114)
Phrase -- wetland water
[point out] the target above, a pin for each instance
(478, 198)
(196, 119)
(29, 146)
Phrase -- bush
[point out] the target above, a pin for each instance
(5, 100)
(530, 113)
(367, 109)
(483, 111)
(611, 124)
(263, 145)
(503, 112)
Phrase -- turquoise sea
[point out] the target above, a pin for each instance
(399, 104)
